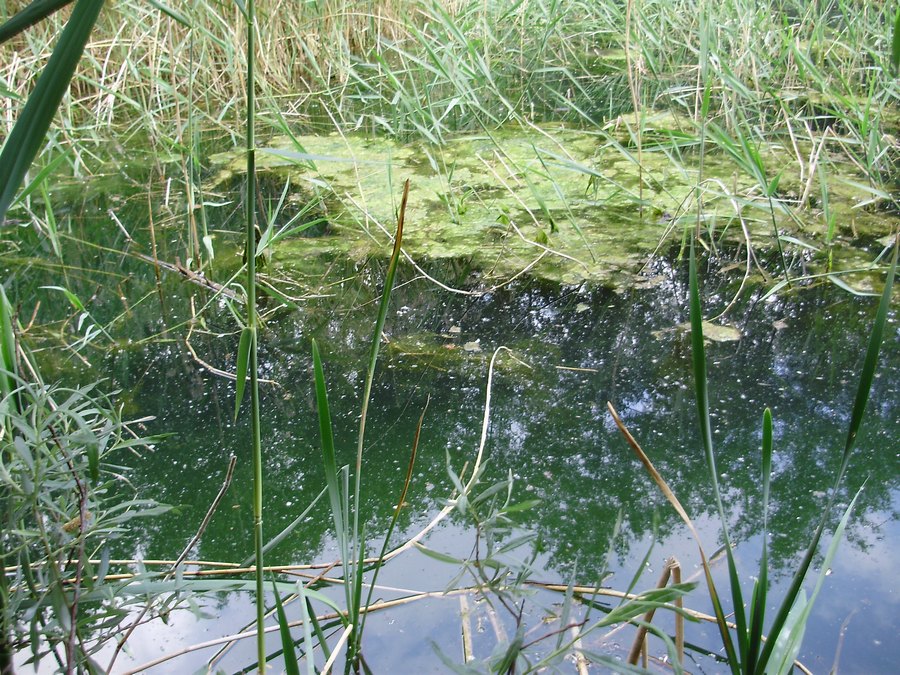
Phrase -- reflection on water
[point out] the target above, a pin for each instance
(573, 349)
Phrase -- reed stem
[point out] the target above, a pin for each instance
(253, 325)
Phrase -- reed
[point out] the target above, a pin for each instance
(752, 650)
(346, 504)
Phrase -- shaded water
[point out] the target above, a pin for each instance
(575, 348)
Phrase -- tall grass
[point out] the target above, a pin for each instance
(346, 504)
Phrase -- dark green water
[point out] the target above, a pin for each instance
(575, 348)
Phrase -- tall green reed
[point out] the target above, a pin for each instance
(346, 504)
(248, 359)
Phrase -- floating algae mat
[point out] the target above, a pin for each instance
(560, 204)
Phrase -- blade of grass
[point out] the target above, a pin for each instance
(788, 641)
(7, 346)
(243, 360)
(758, 607)
(28, 134)
(367, 392)
(338, 512)
(307, 616)
(281, 536)
(287, 642)
(895, 45)
(30, 15)
(252, 324)
(698, 356)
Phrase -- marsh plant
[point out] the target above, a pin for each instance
(814, 82)
(752, 646)
(65, 500)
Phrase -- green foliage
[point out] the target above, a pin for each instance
(895, 45)
(31, 128)
(64, 505)
(345, 506)
(475, 67)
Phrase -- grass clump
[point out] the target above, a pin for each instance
(752, 650)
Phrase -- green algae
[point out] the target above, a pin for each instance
(560, 204)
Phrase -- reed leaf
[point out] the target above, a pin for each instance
(171, 13)
(787, 642)
(287, 642)
(329, 461)
(698, 356)
(36, 11)
(867, 375)
(28, 134)
(281, 536)
(308, 617)
(376, 334)
(895, 45)
(8, 369)
(358, 539)
(760, 589)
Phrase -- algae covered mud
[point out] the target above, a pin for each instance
(567, 205)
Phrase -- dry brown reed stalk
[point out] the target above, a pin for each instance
(671, 569)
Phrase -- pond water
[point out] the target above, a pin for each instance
(573, 347)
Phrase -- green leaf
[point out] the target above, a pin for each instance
(338, 513)
(27, 17)
(516, 542)
(859, 406)
(243, 362)
(273, 292)
(73, 299)
(868, 371)
(28, 134)
(895, 45)
(698, 356)
(103, 569)
(843, 285)
(789, 640)
(327, 436)
(522, 506)
(171, 13)
(277, 539)
(93, 455)
(45, 172)
(437, 555)
(760, 589)
(287, 642)
(308, 617)
(7, 346)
